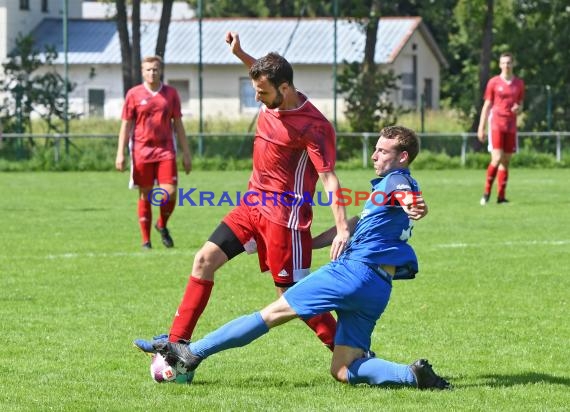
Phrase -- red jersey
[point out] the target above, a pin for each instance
(153, 136)
(503, 95)
(289, 150)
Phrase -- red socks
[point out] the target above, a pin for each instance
(193, 304)
(165, 212)
(502, 178)
(324, 325)
(491, 173)
(145, 218)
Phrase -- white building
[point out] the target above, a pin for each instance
(404, 45)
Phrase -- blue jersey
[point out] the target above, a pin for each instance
(382, 233)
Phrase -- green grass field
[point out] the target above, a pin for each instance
(488, 308)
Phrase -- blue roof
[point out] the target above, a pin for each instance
(301, 41)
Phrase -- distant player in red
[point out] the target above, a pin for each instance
(151, 118)
(294, 146)
(504, 97)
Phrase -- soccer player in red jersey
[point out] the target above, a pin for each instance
(504, 97)
(294, 146)
(151, 117)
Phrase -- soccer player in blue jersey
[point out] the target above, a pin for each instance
(356, 286)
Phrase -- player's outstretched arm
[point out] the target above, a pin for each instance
(413, 204)
(232, 38)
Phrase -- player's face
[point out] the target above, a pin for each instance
(506, 65)
(266, 93)
(387, 157)
(151, 73)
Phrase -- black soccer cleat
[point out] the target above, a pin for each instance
(426, 378)
(503, 200)
(165, 236)
(178, 355)
(146, 246)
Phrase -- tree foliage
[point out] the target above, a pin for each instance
(32, 92)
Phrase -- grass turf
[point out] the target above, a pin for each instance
(487, 308)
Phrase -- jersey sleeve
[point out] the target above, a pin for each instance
(129, 107)
(489, 90)
(396, 186)
(321, 147)
(522, 92)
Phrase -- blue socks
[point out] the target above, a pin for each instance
(236, 333)
(374, 371)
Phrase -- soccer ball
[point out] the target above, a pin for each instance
(161, 371)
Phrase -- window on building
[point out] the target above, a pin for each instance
(45, 6)
(96, 102)
(246, 94)
(183, 89)
(409, 82)
(24, 4)
(428, 93)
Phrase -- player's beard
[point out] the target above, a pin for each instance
(276, 102)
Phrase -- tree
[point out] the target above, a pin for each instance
(131, 51)
(163, 28)
(31, 91)
(126, 51)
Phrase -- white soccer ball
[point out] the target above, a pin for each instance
(161, 371)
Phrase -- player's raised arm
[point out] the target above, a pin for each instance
(232, 38)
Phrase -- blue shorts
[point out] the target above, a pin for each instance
(351, 288)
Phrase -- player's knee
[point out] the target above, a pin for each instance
(206, 261)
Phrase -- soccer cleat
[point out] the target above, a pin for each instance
(484, 200)
(146, 246)
(147, 346)
(426, 378)
(165, 235)
(178, 355)
(503, 200)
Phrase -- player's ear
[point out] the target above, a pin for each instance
(404, 156)
(284, 87)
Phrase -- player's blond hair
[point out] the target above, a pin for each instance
(152, 59)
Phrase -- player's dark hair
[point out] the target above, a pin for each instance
(507, 54)
(407, 140)
(275, 67)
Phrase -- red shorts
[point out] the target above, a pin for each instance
(285, 252)
(147, 174)
(502, 134)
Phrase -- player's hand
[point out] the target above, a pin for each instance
(516, 108)
(232, 38)
(187, 162)
(339, 243)
(416, 208)
(481, 135)
(120, 162)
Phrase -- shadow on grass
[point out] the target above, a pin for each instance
(498, 381)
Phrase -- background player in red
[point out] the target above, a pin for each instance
(151, 117)
(504, 97)
(294, 146)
